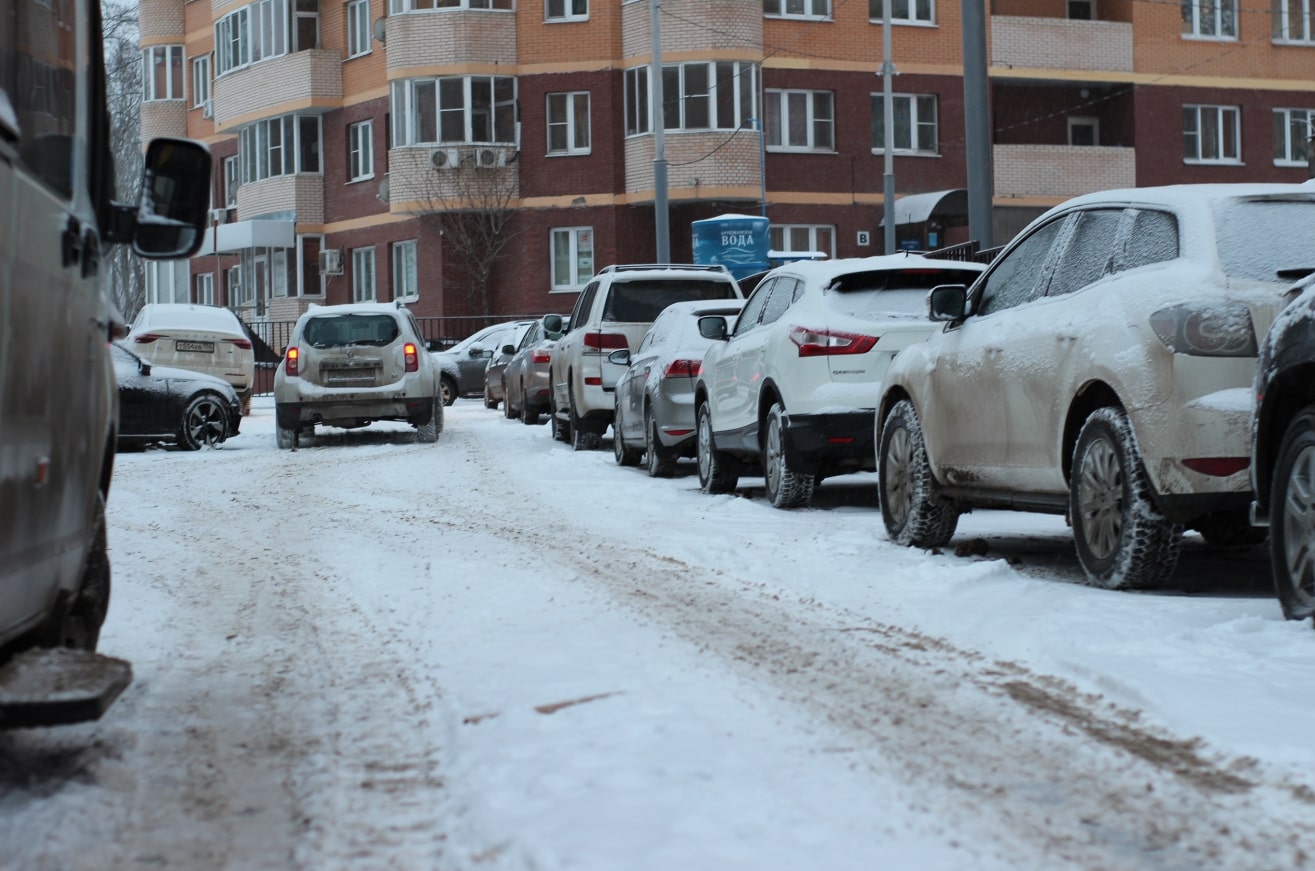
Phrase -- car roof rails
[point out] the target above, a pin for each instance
(624, 267)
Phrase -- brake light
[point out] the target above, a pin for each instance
(146, 338)
(244, 344)
(1217, 467)
(1215, 330)
(601, 341)
(826, 343)
(411, 357)
(290, 361)
(685, 368)
(540, 357)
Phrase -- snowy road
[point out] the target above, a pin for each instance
(495, 653)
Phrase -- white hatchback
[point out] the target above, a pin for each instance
(202, 338)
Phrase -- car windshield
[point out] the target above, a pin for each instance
(1257, 238)
(891, 291)
(641, 301)
(351, 329)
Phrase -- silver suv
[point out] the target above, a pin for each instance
(612, 313)
(351, 365)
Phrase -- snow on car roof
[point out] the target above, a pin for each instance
(209, 318)
(826, 271)
(350, 308)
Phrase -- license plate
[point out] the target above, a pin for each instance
(198, 347)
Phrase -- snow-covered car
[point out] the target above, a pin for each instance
(614, 311)
(654, 416)
(464, 364)
(1101, 368)
(203, 338)
(163, 405)
(351, 365)
(792, 389)
(1283, 451)
(524, 380)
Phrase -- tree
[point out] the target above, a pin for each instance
(125, 273)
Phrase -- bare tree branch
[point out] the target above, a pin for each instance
(125, 272)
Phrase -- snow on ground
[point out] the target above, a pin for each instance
(496, 653)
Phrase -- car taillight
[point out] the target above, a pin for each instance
(411, 357)
(825, 343)
(244, 344)
(1214, 330)
(146, 338)
(600, 341)
(290, 362)
(1217, 467)
(540, 357)
(682, 368)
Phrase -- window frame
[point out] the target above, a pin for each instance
(1285, 120)
(408, 281)
(580, 270)
(360, 258)
(1220, 112)
(784, 233)
(568, 11)
(775, 128)
(257, 151)
(173, 57)
(1224, 14)
(204, 288)
(1281, 24)
(781, 10)
(201, 79)
(406, 109)
(570, 124)
(912, 16)
(360, 151)
(360, 32)
(914, 124)
(410, 7)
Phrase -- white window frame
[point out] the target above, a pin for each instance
(360, 151)
(1084, 121)
(175, 88)
(201, 81)
(904, 11)
(783, 237)
(403, 7)
(406, 270)
(638, 118)
(360, 32)
(1286, 122)
(234, 287)
(258, 31)
(571, 104)
(679, 94)
(407, 104)
(232, 180)
(807, 9)
(565, 10)
(578, 265)
(1209, 19)
(266, 154)
(776, 110)
(916, 104)
(205, 288)
(1286, 28)
(1195, 119)
(363, 275)
(168, 280)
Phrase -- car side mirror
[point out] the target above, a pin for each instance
(947, 302)
(620, 358)
(171, 215)
(509, 349)
(144, 367)
(713, 327)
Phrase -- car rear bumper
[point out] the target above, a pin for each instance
(329, 411)
(815, 442)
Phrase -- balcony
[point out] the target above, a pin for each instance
(712, 168)
(161, 19)
(440, 178)
(294, 82)
(1060, 44)
(1061, 171)
(447, 37)
(695, 25)
(163, 118)
(302, 195)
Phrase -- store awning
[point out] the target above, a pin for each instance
(242, 235)
(917, 208)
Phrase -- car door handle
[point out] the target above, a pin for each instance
(90, 253)
(70, 243)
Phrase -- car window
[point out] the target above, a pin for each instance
(1016, 277)
(882, 292)
(580, 314)
(1090, 251)
(780, 300)
(642, 300)
(1258, 237)
(1153, 239)
(753, 309)
(532, 336)
(354, 329)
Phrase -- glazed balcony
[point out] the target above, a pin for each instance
(1028, 43)
(1061, 171)
(297, 82)
(446, 37)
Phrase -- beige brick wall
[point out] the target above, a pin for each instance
(161, 21)
(1061, 171)
(303, 80)
(450, 38)
(163, 118)
(694, 26)
(415, 186)
(1054, 43)
(719, 164)
(302, 194)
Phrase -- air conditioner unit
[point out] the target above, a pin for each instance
(331, 261)
(208, 109)
(445, 158)
(486, 158)
(219, 216)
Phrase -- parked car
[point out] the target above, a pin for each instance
(614, 310)
(525, 378)
(793, 389)
(202, 338)
(1101, 368)
(163, 405)
(654, 415)
(494, 390)
(351, 365)
(464, 364)
(1283, 451)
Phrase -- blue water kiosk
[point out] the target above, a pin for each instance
(738, 242)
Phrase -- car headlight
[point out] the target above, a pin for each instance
(1214, 330)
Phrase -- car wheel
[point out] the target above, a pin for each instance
(1122, 539)
(286, 436)
(914, 514)
(1292, 518)
(561, 430)
(205, 422)
(582, 439)
(76, 623)
(528, 417)
(786, 487)
(1230, 529)
(624, 456)
(427, 432)
(449, 389)
(717, 469)
(245, 398)
(659, 465)
(489, 401)
(508, 410)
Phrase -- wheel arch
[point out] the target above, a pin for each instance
(1091, 396)
(897, 393)
(1287, 393)
(768, 395)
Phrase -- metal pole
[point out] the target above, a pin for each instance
(661, 217)
(977, 122)
(888, 72)
(762, 164)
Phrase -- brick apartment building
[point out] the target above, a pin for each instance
(387, 149)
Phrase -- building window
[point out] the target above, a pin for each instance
(1082, 10)
(572, 257)
(1210, 19)
(232, 178)
(265, 29)
(167, 280)
(309, 280)
(568, 123)
(795, 238)
(360, 151)
(906, 11)
(397, 7)
(358, 28)
(205, 288)
(1292, 21)
(233, 285)
(566, 10)
(1083, 130)
(306, 24)
(406, 286)
(162, 72)
(1211, 134)
(797, 8)
(280, 146)
(800, 120)
(201, 82)
(454, 109)
(708, 96)
(638, 119)
(915, 123)
(1293, 129)
(363, 275)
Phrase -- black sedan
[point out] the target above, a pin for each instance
(159, 405)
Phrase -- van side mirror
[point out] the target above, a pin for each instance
(947, 302)
(713, 327)
(170, 219)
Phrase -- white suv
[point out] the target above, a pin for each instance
(612, 313)
(350, 365)
(793, 388)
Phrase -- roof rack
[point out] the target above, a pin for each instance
(624, 267)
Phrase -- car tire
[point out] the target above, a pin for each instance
(245, 399)
(582, 439)
(449, 388)
(509, 411)
(656, 461)
(427, 433)
(914, 514)
(285, 436)
(625, 456)
(528, 417)
(786, 487)
(1122, 539)
(205, 422)
(561, 430)
(76, 622)
(1292, 518)
(718, 470)
(489, 401)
